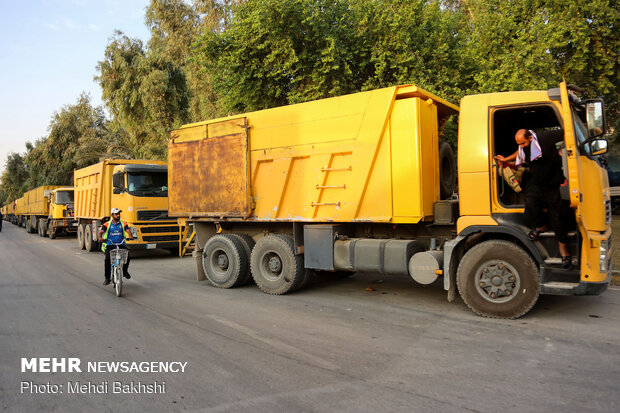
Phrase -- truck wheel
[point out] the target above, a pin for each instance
(275, 267)
(498, 279)
(248, 244)
(447, 170)
(224, 261)
(42, 227)
(89, 243)
(52, 232)
(80, 236)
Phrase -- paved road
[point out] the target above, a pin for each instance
(362, 344)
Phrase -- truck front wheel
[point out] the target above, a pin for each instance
(498, 279)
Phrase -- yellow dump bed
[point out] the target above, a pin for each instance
(369, 156)
(34, 201)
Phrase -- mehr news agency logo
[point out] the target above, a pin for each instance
(74, 365)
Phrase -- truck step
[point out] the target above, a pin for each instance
(559, 288)
(558, 261)
(551, 234)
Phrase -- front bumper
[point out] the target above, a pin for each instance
(153, 245)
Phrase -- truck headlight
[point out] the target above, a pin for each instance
(134, 232)
(604, 262)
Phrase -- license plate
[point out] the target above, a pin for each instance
(75, 224)
(151, 246)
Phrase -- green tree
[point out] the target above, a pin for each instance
(14, 177)
(51, 160)
(534, 44)
(279, 52)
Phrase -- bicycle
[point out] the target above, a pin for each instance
(118, 257)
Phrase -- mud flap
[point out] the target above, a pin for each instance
(449, 275)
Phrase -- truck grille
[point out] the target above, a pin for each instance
(607, 212)
(152, 215)
(154, 230)
(154, 238)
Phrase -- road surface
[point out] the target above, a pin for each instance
(363, 344)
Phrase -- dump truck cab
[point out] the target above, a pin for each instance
(61, 215)
(491, 209)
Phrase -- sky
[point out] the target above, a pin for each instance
(49, 51)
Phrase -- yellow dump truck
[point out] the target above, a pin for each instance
(363, 183)
(139, 188)
(61, 215)
(33, 207)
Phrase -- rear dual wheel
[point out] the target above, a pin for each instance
(276, 268)
(80, 236)
(225, 261)
(89, 243)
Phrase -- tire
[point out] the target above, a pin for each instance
(447, 170)
(504, 263)
(118, 281)
(275, 267)
(80, 236)
(52, 233)
(248, 244)
(40, 230)
(224, 261)
(89, 243)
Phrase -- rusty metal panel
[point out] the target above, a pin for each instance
(209, 175)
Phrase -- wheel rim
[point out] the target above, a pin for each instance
(271, 266)
(497, 281)
(220, 263)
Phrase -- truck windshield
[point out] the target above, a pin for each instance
(154, 184)
(64, 197)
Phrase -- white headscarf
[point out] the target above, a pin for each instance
(535, 151)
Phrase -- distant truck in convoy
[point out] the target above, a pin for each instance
(363, 183)
(139, 188)
(46, 210)
(61, 217)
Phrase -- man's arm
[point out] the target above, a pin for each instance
(128, 232)
(101, 231)
(508, 158)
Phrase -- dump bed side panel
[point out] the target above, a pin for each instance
(35, 202)
(89, 193)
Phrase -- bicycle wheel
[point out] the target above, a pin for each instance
(118, 280)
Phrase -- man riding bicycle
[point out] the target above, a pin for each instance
(113, 232)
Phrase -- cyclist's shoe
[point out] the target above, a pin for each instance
(127, 275)
(106, 282)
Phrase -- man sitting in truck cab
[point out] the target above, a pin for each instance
(543, 190)
(113, 232)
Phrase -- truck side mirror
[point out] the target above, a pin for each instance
(595, 118)
(117, 191)
(596, 146)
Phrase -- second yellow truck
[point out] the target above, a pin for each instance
(140, 189)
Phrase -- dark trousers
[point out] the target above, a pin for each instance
(108, 262)
(537, 198)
